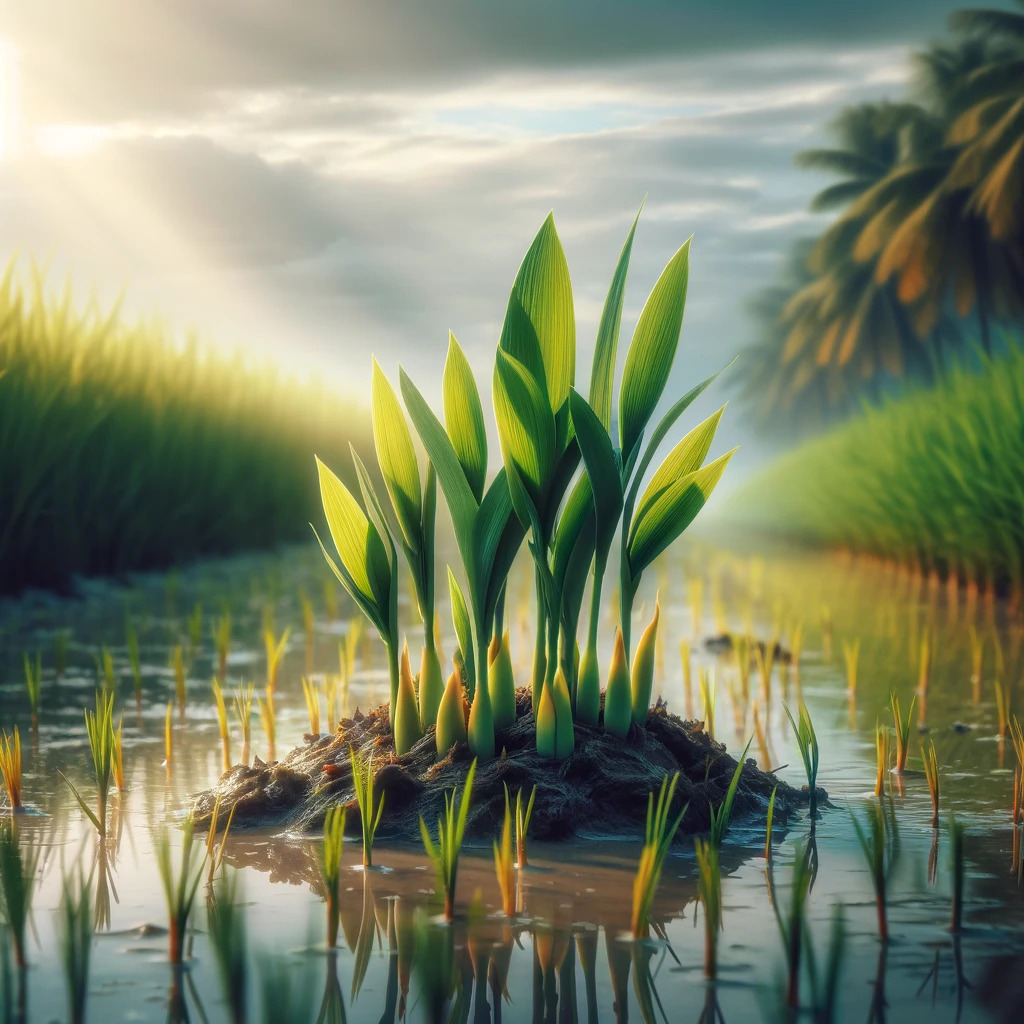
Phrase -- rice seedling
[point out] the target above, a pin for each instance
(443, 852)
(687, 662)
(924, 663)
(504, 866)
(222, 721)
(179, 887)
(169, 737)
(807, 742)
(308, 627)
(761, 736)
(768, 825)
(61, 642)
(794, 924)
(764, 657)
(851, 657)
(741, 654)
(99, 727)
(17, 887)
(243, 712)
(659, 833)
(369, 814)
(721, 815)
(1002, 707)
(312, 696)
(117, 755)
(407, 729)
(75, 932)
(796, 644)
(882, 757)
(132, 644)
(194, 625)
(330, 869)
(10, 766)
(222, 643)
(545, 430)
(956, 860)
(523, 816)
(902, 731)
(178, 667)
(331, 600)
(33, 683)
(215, 853)
(228, 937)
(709, 889)
(275, 651)
(707, 698)
(931, 771)
(695, 596)
(880, 852)
(268, 718)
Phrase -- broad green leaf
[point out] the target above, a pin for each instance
(571, 524)
(366, 605)
(396, 456)
(464, 418)
(652, 350)
(687, 457)
(463, 626)
(672, 513)
(602, 469)
(526, 426)
(359, 545)
(461, 503)
(602, 376)
(499, 535)
(540, 324)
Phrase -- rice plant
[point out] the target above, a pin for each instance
(105, 673)
(902, 731)
(876, 842)
(764, 658)
(33, 683)
(330, 869)
(369, 814)
(179, 886)
(659, 833)
(312, 696)
(443, 852)
(956, 861)
(61, 642)
(10, 766)
(243, 712)
(178, 667)
(709, 889)
(851, 656)
(545, 429)
(331, 687)
(268, 716)
(721, 815)
(99, 727)
(807, 742)
(17, 887)
(76, 932)
(504, 866)
(707, 699)
(793, 925)
(223, 726)
(768, 825)
(308, 627)
(523, 816)
(931, 771)
(330, 600)
(275, 651)
(881, 757)
(134, 659)
(214, 852)
(229, 939)
(222, 642)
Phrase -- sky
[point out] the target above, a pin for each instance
(319, 180)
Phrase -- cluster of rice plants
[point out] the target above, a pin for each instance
(179, 887)
(369, 812)
(445, 849)
(10, 766)
(567, 484)
(104, 746)
(90, 402)
(659, 833)
(874, 484)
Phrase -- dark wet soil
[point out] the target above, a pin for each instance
(601, 790)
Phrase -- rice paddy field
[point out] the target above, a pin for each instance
(852, 636)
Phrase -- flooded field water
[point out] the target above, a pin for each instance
(564, 957)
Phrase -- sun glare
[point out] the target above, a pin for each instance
(8, 99)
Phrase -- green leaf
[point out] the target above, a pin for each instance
(366, 605)
(396, 456)
(571, 524)
(499, 535)
(463, 626)
(687, 457)
(526, 426)
(602, 376)
(652, 351)
(602, 469)
(464, 418)
(672, 513)
(540, 324)
(461, 503)
(359, 545)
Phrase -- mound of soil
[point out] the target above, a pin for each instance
(600, 790)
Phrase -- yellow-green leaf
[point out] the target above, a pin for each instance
(526, 427)
(396, 456)
(464, 418)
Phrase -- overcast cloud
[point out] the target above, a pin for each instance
(316, 181)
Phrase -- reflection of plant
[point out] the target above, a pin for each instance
(444, 851)
(330, 868)
(882, 757)
(658, 837)
(228, 936)
(180, 890)
(878, 844)
(956, 860)
(75, 929)
(709, 886)
(793, 925)
(17, 886)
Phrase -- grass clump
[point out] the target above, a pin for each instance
(658, 836)
(902, 728)
(10, 766)
(807, 742)
(444, 851)
(123, 390)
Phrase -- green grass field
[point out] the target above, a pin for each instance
(935, 479)
(122, 449)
